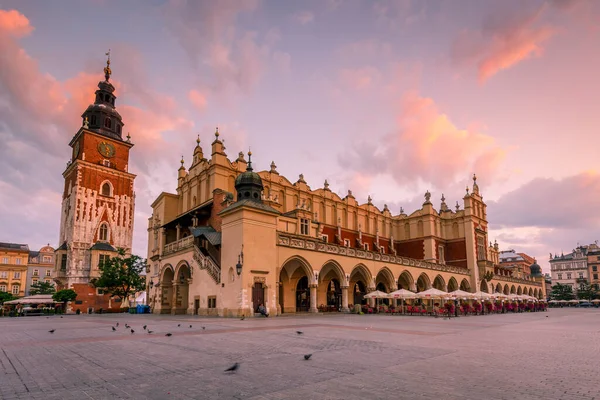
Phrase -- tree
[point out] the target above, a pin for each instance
(586, 291)
(41, 288)
(5, 296)
(562, 292)
(63, 296)
(120, 276)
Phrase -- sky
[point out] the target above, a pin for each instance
(384, 98)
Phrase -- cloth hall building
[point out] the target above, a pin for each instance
(231, 239)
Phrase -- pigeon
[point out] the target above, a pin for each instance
(113, 328)
(307, 356)
(145, 327)
(243, 318)
(149, 331)
(132, 331)
(117, 324)
(190, 326)
(234, 367)
(546, 316)
(203, 328)
(178, 325)
(169, 334)
(61, 316)
(127, 326)
(299, 332)
(51, 330)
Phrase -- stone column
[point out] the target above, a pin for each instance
(174, 297)
(345, 299)
(313, 298)
(277, 299)
(178, 227)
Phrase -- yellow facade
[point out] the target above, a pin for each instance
(13, 268)
(302, 249)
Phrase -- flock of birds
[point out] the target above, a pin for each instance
(233, 368)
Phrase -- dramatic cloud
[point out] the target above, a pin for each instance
(39, 115)
(505, 39)
(234, 58)
(551, 203)
(426, 146)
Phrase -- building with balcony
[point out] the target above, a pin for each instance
(570, 269)
(231, 239)
(515, 264)
(593, 262)
(40, 267)
(13, 268)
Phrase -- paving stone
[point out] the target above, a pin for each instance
(524, 356)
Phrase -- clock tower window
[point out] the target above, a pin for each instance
(106, 190)
(103, 232)
(107, 123)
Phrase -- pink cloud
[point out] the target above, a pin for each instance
(14, 23)
(304, 17)
(504, 40)
(197, 99)
(426, 146)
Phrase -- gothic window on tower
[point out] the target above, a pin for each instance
(480, 248)
(106, 190)
(107, 123)
(103, 232)
(94, 121)
(63, 262)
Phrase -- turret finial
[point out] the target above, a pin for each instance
(198, 140)
(217, 132)
(249, 167)
(128, 137)
(107, 70)
(474, 178)
(182, 161)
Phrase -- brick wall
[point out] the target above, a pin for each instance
(456, 253)
(86, 294)
(411, 248)
(218, 205)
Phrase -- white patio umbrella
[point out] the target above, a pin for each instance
(481, 295)
(432, 293)
(596, 301)
(556, 301)
(500, 296)
(461, 294)
(377, 294)
(403, 294)
(573, 301)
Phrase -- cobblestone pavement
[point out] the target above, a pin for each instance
(550, 355)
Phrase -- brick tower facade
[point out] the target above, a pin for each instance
(98, 198)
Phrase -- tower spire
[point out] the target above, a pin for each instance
(249, 167)
(107, 70)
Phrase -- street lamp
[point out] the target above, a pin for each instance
(238, 266)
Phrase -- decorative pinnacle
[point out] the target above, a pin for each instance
(128, 137)
(474, 178)
(467, 190)
(249, 167)
(217, 132)
(198, 140)
(107, 70)
(182, 162)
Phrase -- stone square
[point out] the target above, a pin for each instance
(499, 356)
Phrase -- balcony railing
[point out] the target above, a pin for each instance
(208, 264)
(178, 245)
(313, 244)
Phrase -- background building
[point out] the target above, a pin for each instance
(230, 239)
(98, 199)
(13, 268)
(593, 261)
(568, 269)
(40, 267)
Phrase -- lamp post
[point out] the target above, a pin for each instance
(238, 266)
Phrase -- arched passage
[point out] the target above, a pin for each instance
(520, 290)
(439, 283)
(498, 288)
(360, 281)
(506, 290)
(166, 286)
(483, 286)
(181, 288)
(466, 286)
(331, 280)
(295, 278)
(386, 278)
(452, 285)
(406, 281)
(513, 290)
(423, 282)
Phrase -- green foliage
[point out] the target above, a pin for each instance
(64, 295)
(41, 288)
(562, 292)
(586, 291)
(488, 276)
(121, 276)
(5, 296)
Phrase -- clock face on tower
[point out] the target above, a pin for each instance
(106, 149)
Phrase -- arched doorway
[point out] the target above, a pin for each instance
(182, 286)
(302, 295)
(423, 283)
(334, 295)
(483, 286)
(520, 290)
(405, 281)
(359, 290)
(452, 285)
(166, 287)
(466, 287)
(439, 283)
(383, 288)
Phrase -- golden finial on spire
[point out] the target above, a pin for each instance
(128, 137)
(198, 140)
(217, 132)
(107, 70)
(474, 178)
(182, 162)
